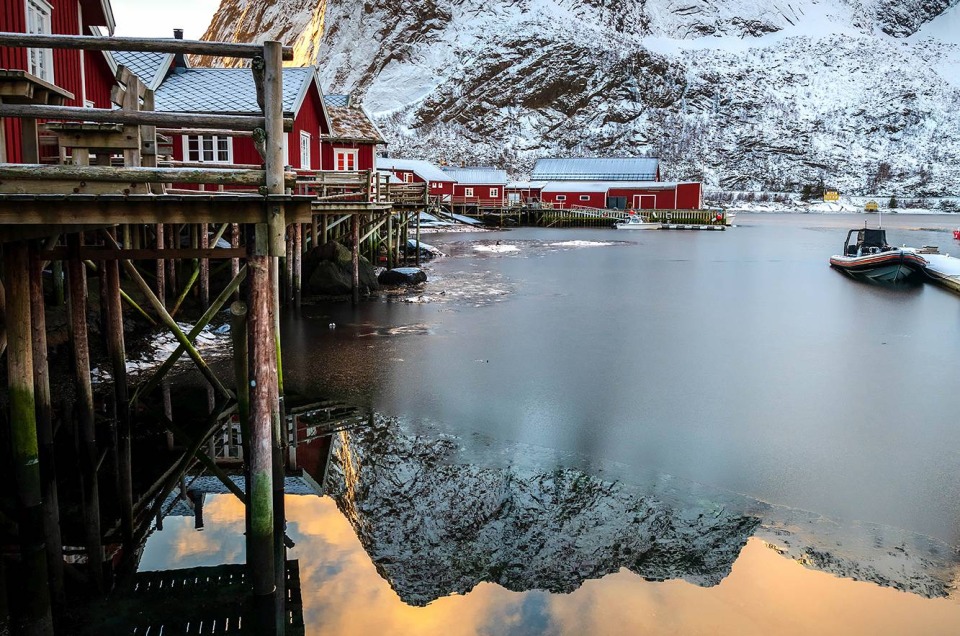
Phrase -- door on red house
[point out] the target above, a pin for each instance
(644, 202)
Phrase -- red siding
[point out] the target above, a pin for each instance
(309, 119)
(99, 78)
(13, 18)
(365, 154)
(646, 198)
(65, 20)
(441, 188)
(594, 199)
(689, 196)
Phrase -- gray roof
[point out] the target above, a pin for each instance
(604, 186)
(225, 90)
(582, 169)
(526, 185)
(423, 169)
(341, 101)
(477, 175)
(147, 66)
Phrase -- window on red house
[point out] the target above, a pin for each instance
(39, 61)
(345, 160)
(494, 193)
(468, 192)
(209, 149)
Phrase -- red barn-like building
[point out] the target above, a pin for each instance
(353, 138)
(417, 171)
(86, 75)
(481, 187)
(619, 183)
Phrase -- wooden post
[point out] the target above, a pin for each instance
(289, 265)
(355, 255)
(204, 268)
(47, 456)
(390, 260)
(36, 617)
(161, 267)
(235, 262)
(118, 359)
(262, 375)
(298, 263)
(85, 411)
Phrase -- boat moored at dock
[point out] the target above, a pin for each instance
(867, 256)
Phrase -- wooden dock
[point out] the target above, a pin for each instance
(943, 270)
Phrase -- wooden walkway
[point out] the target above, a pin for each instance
(204, 600)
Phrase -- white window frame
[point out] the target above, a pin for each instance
(584, 197)
(408, 177)
(215, 149)
(40, 61)
(561, 197)
(345, 152)
(468, 192)
(305, 155)
(494, 193)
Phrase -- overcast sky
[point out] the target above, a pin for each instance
(158, 18)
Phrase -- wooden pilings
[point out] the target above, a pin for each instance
(85, 411)
(35, 615)
(44, 410)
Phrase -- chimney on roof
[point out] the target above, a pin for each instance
(178, 34)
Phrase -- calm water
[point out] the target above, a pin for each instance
(735, 366)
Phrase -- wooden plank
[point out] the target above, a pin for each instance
(56, 210)
(214, 176)
(149, 118)
(109, 254)
(150, 45)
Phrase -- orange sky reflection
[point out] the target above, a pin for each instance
(765, 594)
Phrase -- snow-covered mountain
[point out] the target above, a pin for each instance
(742, 94)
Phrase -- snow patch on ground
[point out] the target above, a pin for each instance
(499, 249)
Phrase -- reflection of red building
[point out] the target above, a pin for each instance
(85, 76)
(417, 171)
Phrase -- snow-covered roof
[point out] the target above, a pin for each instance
(352, 123)
(526, 185)
(391, 178)
(149, 67)
(584, 169)
(423, 169)
(605, 186)
(477, 175)
(227, 90)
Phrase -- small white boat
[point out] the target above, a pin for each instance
(636, 222)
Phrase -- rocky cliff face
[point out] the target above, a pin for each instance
(743, 94)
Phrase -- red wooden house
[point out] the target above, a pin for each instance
(481, 187)
(352, 141)
(417, 171)
(85, 75)
(232, 91)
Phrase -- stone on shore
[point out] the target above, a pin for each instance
(329, 270)
(402, 276)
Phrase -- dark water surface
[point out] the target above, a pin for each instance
(573, 415)
(737, 359)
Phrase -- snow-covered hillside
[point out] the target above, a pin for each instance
(742, 94)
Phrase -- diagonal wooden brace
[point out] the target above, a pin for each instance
(171, 360)
(169, 322)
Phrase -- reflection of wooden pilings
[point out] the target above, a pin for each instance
(35, 604)
(118, 359)
(355, 256)
(48, 472)
(288, 266)
(85, 412)
(262, 374)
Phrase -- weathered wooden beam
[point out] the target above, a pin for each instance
(36, 616)
(96, 253)
(148, 45)
(47, 456)
(205, 319)
(172, 325)
(274, 158)
(117, 350)
(263, 377)
(216, 176)
(55, 211)
(138, 118)
(85, 412)
(205, 459)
